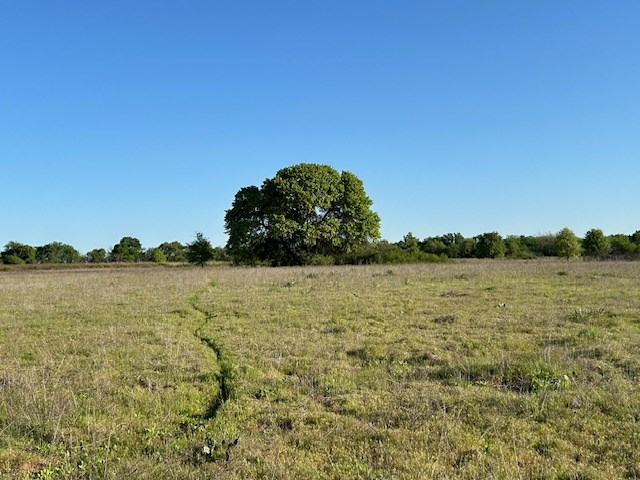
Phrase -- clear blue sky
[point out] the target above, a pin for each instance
(143, 118)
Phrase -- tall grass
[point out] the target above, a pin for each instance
(95, 366)
(479, 369)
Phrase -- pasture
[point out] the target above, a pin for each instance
(470, 369)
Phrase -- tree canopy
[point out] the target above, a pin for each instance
(97, 255)
(57, 252)
(173, 251)
(306, 211)
(596, 244)
(129, 249)
(490, 245)
(17, 253)
(200, 250)
(567, 244)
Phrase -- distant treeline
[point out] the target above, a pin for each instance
(564, 244)
(410, 249)
(129, 249)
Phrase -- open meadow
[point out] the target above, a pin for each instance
(469, 369)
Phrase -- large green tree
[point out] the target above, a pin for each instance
(306, 211)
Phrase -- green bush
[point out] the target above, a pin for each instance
(12, 260)
(515, 247)
(321, 260)
(388, 253)
(156, 255)
(622, 246)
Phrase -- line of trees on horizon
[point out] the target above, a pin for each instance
(312, 214)
(127, 250)
(565, 244)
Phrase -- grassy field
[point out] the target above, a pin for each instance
(496, 369)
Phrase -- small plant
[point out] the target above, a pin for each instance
(583, 315)
(49, 473)
(213, 451)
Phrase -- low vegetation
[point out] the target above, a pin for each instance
(474, 369)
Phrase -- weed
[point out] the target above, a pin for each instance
(583, 315)
(214, 450)
(589, 333)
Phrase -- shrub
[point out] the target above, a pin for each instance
(12, 260)
(156, 255)
(387, 253)
(321, 260)
(541, 245)
(622, 246)
(515, 247)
